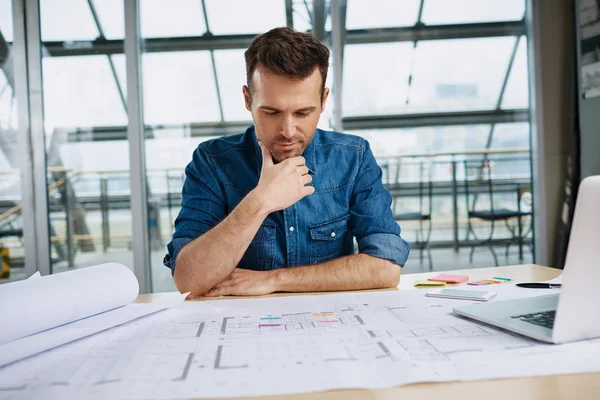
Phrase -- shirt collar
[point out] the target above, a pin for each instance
(309, 154)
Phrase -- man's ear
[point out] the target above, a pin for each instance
(246, 93)
(324, 99)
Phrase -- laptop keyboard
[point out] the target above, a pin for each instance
(545, 319)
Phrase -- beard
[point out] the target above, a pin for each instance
(279, 153)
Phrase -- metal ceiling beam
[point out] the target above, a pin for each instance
(289, 14)
(356, 36)
(337, 56)
(319, 16)
(213, 64)
(435, 119)
(349, 123)
(151, 45)
(100, 133)
(436, 32)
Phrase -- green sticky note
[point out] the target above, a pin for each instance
(429, 283)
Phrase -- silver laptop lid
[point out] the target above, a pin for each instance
(578, 313)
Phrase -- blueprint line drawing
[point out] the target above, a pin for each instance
(274, 346)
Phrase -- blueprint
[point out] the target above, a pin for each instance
(274, 346)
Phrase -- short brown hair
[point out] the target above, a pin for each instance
(287, 52)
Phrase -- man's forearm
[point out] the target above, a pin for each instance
(353, 272)
(211, 257)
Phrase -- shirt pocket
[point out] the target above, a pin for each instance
(261, 251)
(327, 239)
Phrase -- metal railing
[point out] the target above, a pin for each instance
(105, 191)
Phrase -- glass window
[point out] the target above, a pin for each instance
(468, 11)
(452, 75)
(179, 87)
(11, 223)
(8, 106)
(516, 94)
(121, 71)
(441, 75)
(87, 148)
(69, 20)
(302, 16)
(256, 16)
(111, 17)
(81, 92)
(177, 18)
(364, 14)
(326, 120)
(6, 22)
(231, 71)
(386, 89)
(511, 136)
(431, 139)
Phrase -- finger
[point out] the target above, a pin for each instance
(221, 285)
(238, 271)
(223, 289)
(216, 292)
(306, 179)
(267, 157)
(308, 190)
(297, 161)
(303, 170)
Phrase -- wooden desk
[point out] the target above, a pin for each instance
(581, 386)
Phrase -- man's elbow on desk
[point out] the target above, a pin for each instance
(184, 280)
(182, 283)
(385, 274)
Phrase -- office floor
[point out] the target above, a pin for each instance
(443, 260)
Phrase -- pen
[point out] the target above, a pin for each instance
(539, 285)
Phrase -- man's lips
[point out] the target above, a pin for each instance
(286, 145)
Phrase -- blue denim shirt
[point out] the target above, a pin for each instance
(349, 202)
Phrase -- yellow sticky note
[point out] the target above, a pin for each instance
(429, 283)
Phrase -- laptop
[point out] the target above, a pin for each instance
(573, 314)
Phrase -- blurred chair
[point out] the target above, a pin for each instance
(421, 170)
(482, 205)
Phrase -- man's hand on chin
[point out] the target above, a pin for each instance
(244, 282)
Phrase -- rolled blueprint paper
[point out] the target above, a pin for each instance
(34, 305)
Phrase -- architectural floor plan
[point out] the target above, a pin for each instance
(288, 345)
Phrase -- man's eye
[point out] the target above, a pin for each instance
(302, 114)
(271, 112)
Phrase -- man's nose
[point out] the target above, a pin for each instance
(288, 129)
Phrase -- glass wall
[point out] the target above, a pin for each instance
(191, 95)
(434, 85)
(85, 119)
(435, 104)
(11, 222)
(455, 100)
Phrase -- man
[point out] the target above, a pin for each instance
(284, 194)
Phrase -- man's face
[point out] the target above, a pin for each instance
(285, 111)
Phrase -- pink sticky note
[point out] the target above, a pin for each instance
(449, 278)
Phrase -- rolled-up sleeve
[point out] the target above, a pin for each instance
(202, 205)
(371, 218)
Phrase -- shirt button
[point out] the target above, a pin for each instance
(291, 229)
(332, 234)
